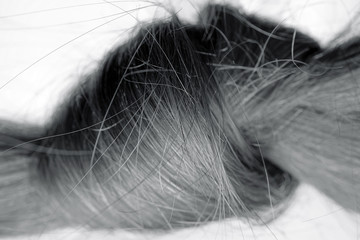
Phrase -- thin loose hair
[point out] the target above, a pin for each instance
(186, 124)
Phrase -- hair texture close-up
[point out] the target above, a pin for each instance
(185, 124)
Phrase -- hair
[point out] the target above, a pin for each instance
(186, 124)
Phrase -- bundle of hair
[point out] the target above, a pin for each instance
(186, 124)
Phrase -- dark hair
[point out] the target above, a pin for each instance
(186, 124)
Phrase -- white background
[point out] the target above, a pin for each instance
(45, 51)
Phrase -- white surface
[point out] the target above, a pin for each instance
(43, 53)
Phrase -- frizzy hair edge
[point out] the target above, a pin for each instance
(186, 124)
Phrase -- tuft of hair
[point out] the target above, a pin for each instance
(187, 124)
